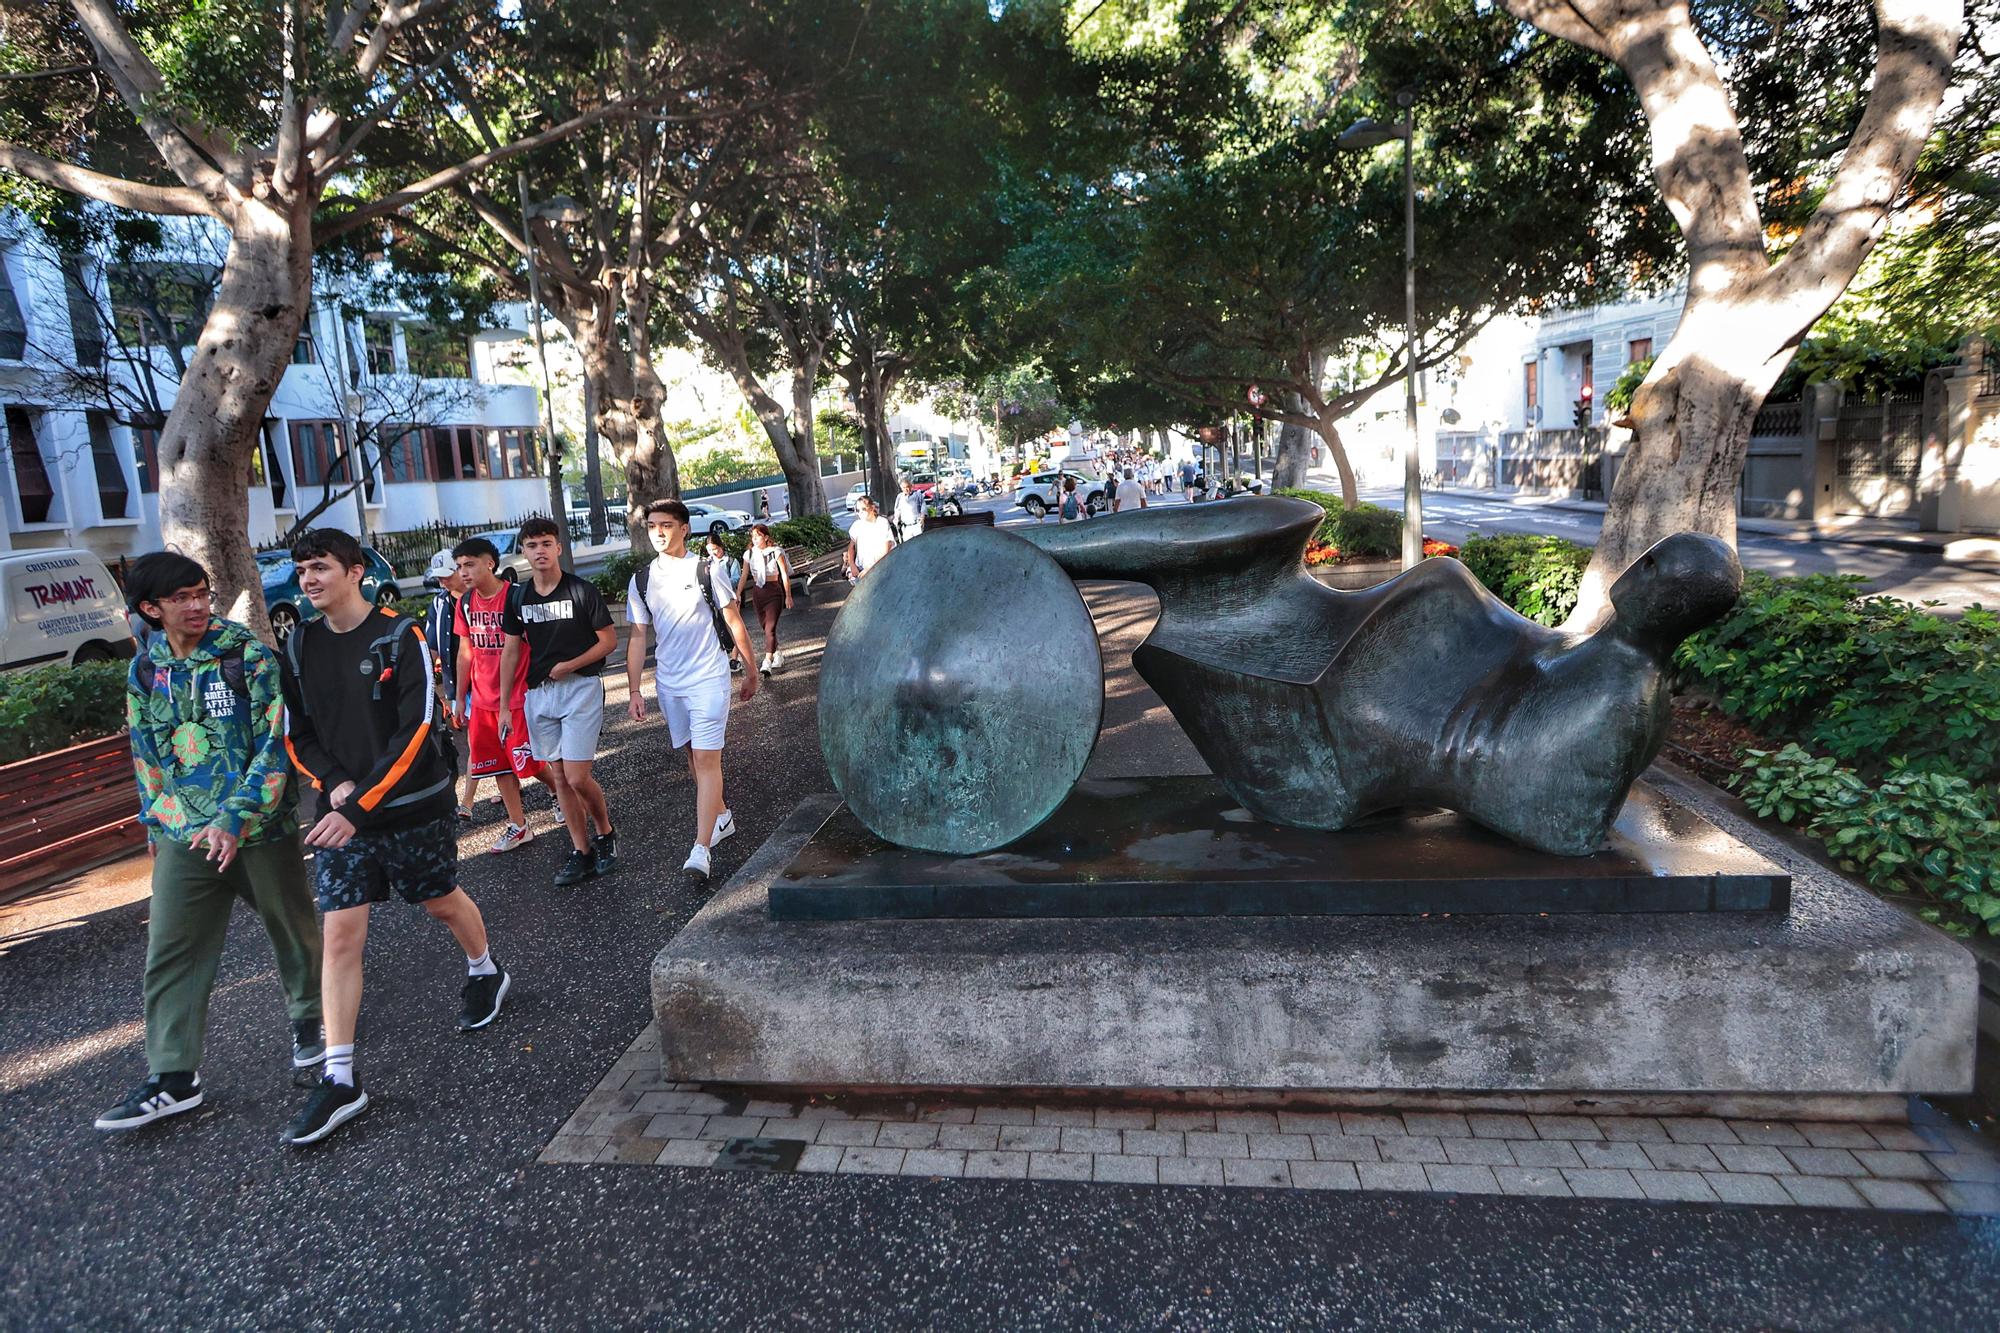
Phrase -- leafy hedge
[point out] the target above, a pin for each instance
(1537, 576)
(1869, 680)
(1363, 532)
(50, 707)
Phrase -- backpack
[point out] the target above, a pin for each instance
(231, 659)
(386, 665)
(1070, 508)
(703, 566)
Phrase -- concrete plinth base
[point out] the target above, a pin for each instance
(1844, 997)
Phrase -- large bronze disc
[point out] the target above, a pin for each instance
(960, 692)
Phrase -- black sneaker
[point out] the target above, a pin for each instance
(155, 1099)
(604, 852)
(330, 1106)
(483, 998)
(308, 1043)
(580, 867)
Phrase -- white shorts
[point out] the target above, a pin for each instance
(700, 715)
(565, 718)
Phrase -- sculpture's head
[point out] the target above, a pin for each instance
(1680, 584)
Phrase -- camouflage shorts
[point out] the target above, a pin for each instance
(419, 863)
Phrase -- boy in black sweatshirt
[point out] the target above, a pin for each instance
(360, 709)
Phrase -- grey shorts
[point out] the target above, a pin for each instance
(565, 718)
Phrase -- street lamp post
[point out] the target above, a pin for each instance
(1369, 134)
(559, 209)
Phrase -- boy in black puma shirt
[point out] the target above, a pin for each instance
(360, 710)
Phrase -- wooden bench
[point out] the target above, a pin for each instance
(67, 811)
(809, 569)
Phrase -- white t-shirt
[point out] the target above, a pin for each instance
(762, 562)
(909, 510)
(1130, 495)
(872, 538)
(685, 653)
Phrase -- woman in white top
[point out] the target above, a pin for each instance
(868, 540)
(769, 589)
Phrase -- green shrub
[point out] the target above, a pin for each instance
(1537, 576)
(1914, 831)
(415, 607)
(49, 707)
(1363, 532)
(816, 532)
(615, 575)
(1873, 681)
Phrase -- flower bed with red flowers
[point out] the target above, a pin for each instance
(1325, 553)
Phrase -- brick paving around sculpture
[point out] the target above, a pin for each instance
(636, 1116)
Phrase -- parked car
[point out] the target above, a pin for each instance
(288, 606)
(60, 605)
(704, 517)
(513, 565)
(1038, 493)
(854, 494)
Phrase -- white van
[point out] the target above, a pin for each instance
(60, 606)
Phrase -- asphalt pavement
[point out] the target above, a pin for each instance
(431, 1212)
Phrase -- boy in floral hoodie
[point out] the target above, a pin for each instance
(215, 794)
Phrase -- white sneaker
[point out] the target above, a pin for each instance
(725, 824)
(513, 836)
(777, 661)
(765, 665)
(697, 862)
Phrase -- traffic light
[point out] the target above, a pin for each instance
(1583, 410)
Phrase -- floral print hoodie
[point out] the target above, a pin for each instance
(204, 754)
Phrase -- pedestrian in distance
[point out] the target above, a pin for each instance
(362, 713)
(441, 631)
(561, 624)
(682, 600)
(909, 519)
(1188, 478)
(731, 570)
(1072, 509)
(769, 590)
(1131, 494)
(504, 754)
(206, 711)
(869, 540)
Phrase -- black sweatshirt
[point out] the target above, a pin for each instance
(359, 708)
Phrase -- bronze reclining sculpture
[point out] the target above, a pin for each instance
(1316, 707)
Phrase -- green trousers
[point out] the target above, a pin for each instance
(190, 916)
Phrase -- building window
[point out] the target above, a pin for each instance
(436, 354)
(1534, 370)
(404, 455)
(302, 350)
(85, 332)
(455, 453)
(272, 471)
(146, 452)
(31, 473)
(1639, 349)
(315, 451)
(378, 342)
(13, 329)
(114, 495)
(516, 450)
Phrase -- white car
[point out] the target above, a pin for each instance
(513, 565)
(60, 606)
(854, 495)
(1040, 494)
(703, 517)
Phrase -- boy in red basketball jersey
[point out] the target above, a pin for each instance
(482, 637)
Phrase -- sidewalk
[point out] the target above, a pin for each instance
(1954, 547)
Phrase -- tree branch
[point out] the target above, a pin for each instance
(166, 200)
(197, 159)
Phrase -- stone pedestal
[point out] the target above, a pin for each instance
(1843, 997)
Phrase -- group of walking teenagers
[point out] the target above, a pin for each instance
(359, 704)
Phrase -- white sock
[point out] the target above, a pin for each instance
(340, 1064)
(482, 966)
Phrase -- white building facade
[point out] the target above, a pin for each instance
(379, 423)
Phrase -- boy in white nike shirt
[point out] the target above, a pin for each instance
(690, 666)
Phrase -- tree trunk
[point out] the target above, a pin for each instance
(1691, 423)
(1329, 432)
(651, 467)
(803, 380)
(218, 414)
